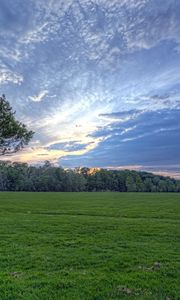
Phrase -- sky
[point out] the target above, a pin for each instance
(98, 81)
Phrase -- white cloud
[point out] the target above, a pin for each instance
(10, 54)
(39, 97)
(7, 76)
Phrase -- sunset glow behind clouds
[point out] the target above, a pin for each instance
(98, 81)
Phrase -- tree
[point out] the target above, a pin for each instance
(13, 134)
(130, 183)
(139, 183)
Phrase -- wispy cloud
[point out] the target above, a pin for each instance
(7, 76)
(39, 97)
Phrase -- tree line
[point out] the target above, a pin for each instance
(46, 178)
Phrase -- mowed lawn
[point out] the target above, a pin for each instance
(89, 246)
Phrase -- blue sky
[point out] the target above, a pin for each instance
(98, 81)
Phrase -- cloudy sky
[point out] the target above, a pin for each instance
(97, 80)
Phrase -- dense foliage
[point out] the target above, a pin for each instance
(21, 177)
(13, 134)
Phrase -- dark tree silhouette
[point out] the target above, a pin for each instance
(13, 134)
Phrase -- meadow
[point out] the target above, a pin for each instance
(89, 246)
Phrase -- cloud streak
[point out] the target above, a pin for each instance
(39, 97)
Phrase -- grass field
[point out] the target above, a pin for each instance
(89, 246)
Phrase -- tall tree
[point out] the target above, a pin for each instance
(13, 134)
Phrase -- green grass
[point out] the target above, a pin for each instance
(89, 246)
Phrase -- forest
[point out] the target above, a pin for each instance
(50, 178)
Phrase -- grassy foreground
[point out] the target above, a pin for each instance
(89, 246)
